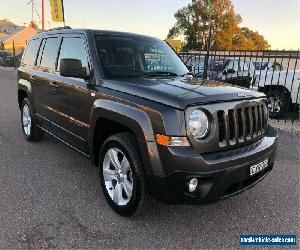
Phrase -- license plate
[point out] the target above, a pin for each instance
(258, 167)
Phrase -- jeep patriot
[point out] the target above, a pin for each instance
(131, 105)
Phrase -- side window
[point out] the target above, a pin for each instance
(30, 53)
(49, 53)
(73, 48)
(38, 61)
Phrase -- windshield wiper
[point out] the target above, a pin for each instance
(160, 73)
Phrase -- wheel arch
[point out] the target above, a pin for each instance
(24, 91)
(282, 88)
(111, 117)
(22, 94)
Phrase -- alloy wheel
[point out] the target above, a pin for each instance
(274, 104)
(117, 175)
(26, 120)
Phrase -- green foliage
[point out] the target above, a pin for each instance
(192, 22)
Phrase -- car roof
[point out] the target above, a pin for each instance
(86, 31)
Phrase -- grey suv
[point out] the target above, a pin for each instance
(130, 104)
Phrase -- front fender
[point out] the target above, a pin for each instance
(25, 85)
(133, 118)
(136, 120)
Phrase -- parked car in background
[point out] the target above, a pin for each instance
(267, 65)
(281, 88)
(7, 59)
(231, 70)
(3, 56)
(13, 60)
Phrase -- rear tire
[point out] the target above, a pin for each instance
(29, 124)
(278, 102)
(121, 174)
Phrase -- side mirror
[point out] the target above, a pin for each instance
(225, 72)
(72, 68)
(230, 71)
(190, 67)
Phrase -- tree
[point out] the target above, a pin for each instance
(249, 40)
(192, 22)
(4, 21)
(33, 24)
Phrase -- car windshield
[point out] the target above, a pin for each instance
(134, 56)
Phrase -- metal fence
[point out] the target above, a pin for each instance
(11, 54)
(273, 72)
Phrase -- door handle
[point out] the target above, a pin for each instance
(54, 85)
(32, 77)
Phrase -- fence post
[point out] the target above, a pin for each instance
(206, 59)
(14, 55)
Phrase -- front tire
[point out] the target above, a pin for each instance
(29, 124)
(121, 174)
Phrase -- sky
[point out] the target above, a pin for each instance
(277, 20)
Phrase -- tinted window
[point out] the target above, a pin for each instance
(123, 56)
(49, 54)
(38, 61)
(73, 48)
(31, 51)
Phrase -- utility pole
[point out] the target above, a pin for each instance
(43, 15)
(32, 8)
(206, 60)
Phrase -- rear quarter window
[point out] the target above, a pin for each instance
(31, 52)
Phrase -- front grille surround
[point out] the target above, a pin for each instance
(234, 124)
(242, 124)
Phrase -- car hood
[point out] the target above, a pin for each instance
(181, 92)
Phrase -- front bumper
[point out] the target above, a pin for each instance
(220, 174)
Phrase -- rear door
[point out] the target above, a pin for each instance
(25, 72)
(44, 74)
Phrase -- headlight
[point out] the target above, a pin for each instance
(198, 124)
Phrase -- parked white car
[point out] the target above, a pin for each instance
(265, 66)
(281, 87)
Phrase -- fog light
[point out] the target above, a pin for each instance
(193, 183)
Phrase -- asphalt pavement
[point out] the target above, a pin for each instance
(50, 198)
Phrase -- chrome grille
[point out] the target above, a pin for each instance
(241, 124)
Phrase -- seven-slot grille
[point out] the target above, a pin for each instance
(241, 124)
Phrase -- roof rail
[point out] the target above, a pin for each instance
(60, 28)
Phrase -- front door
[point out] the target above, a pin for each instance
(73, 101)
